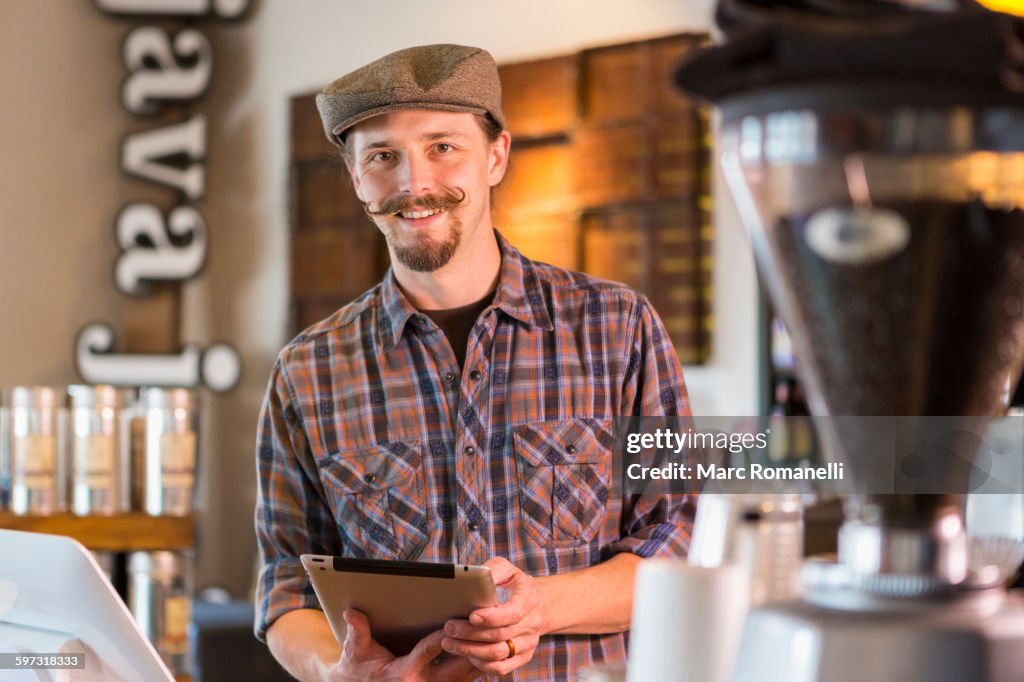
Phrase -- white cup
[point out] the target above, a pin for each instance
(687, 621)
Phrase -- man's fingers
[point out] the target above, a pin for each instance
(428, 647)
(501, 569)
(461, 629)
(456, 669)
(502, 667)
(357, 635)
(511, 612)
(479, 650)
(426, 650)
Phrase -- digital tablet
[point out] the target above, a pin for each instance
(403, 600)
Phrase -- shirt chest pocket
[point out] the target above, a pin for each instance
(376, 497)
(564, 473)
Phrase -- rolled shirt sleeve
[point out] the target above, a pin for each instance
(655, 523)
(292, 516)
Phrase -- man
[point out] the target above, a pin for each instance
(461, 410)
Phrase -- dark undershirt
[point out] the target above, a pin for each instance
(456, 323)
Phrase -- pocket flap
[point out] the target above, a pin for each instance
(573, 441)
(375, 468)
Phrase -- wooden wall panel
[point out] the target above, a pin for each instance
(307, 133)
(675, 158)
(334, 263)
(535, 205)
(634, 81)
(547, 237)
(638, 162)
(323, 195)
(540, 179)
(540, 98)
(665, 55)
(656, 249)
(308, 312)
(614, 83)
(612, 165)
(616, 246)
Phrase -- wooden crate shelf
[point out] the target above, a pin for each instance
(122, 533)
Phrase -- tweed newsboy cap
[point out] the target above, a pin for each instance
(443, 77)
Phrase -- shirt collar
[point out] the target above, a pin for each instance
(519, 295)
(395, 312)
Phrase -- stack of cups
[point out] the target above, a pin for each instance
(687, 622)
(688, 617)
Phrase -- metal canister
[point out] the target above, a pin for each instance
(99, 445)
(107, 561)
(160, 598)
(37, 419)
(5, 457)
(166, 450)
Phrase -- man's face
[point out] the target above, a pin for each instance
(425, 178)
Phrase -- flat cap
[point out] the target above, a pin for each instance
(442, 77)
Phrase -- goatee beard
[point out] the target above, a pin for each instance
(427, 254)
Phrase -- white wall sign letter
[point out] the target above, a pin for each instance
(217, 367)
(225, 9)
(168, 80)
(142, 153)
(149, 252)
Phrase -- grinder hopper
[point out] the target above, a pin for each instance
(892, 245)
(876, 156)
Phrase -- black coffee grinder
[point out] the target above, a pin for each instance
(875, 152)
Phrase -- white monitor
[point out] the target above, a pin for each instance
(54, 598)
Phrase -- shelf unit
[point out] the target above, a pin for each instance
(122, 533)
(128, 532)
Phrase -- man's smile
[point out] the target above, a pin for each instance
(420, 213)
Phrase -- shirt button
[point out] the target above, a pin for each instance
(469, 450)
(571, 449)
(475, 375)
(449, 377)
(370, 478)
(473, 526)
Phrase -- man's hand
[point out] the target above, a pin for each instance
(363, 659)
(520, 619)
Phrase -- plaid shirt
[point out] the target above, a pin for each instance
(373, 443)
